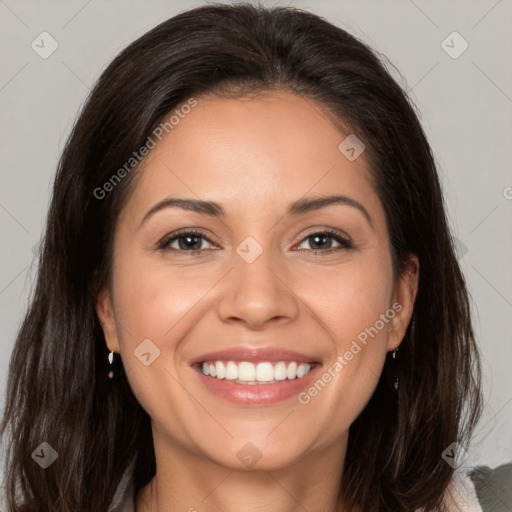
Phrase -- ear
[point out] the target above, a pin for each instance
(404, 296)
(105, 313)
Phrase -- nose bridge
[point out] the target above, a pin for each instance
(253, 262)
(255, 291)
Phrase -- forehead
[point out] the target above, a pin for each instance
(252, 153)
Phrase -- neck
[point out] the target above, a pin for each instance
(197, 484)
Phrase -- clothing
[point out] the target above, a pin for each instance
(124, 497)
(462, 494)
(493, 487)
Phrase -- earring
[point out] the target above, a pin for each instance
(110, 362)
(396, 378)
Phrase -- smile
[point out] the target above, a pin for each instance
(246, 372)
(249, 376)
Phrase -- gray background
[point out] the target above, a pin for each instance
(465, 105)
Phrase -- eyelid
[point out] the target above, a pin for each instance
(327, 230)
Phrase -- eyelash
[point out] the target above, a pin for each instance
(344, 242)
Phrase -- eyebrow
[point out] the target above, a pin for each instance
(298, 207)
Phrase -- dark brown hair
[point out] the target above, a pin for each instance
(58, 386)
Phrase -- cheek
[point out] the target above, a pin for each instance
(350, 297)
(160, 301)
(343, 302)
(153, 299)
(156, 306)
(151, 306)
(353, 303)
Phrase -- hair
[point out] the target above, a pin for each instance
(58, 385)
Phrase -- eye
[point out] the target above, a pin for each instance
(192, 241)
(321, 238)
(187, 241)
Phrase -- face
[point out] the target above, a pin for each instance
(290, 311)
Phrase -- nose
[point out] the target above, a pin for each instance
(258, 292)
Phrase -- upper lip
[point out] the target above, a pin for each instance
(254, 355)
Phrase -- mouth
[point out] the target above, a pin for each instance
(246, 372)
(255, 376)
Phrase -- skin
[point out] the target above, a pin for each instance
(255, 157)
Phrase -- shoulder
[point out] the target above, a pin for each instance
(493, 486)
(461, 494)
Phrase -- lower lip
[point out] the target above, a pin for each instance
(257, 394)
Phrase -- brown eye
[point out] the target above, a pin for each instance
(187, 241)
(321, 241)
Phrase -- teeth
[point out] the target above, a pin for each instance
(264, 372)
(231, 371)
(280, 371)
(220, 370)
(301, 371)
(249, 373)
(291, 372)
(246, 371)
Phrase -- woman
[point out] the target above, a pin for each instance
(248, 296)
